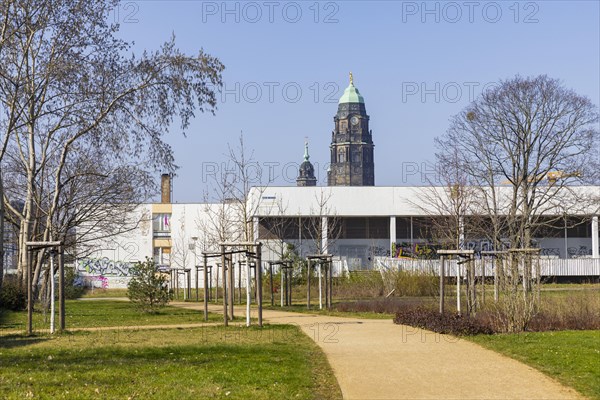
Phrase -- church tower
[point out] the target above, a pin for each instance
(351, 142)
(306, 174)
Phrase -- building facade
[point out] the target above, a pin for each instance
(378, 222)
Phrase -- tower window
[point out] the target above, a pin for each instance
(341, 155)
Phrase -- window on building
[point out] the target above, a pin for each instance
(161, 225)
(162, 255)
(341, 156)
(278, 228)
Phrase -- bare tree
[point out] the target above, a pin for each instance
(1, 229)
(74, 95)
(247, 174)
(533, 134)
(277, 228)
(180, 253)
(449, 203)
(7, 30)
(523, 145)
(322, 212)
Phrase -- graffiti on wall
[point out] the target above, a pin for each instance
(415, 250)
(378, 251)
(582, 251)
(103, 267)
(101, 281)
(550, 251)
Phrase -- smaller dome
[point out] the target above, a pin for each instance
(351, 94)
(306, 172)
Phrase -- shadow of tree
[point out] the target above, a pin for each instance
(14, 341)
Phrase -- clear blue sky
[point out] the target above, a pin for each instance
(415, 63)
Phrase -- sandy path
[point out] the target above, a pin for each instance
(376, 359)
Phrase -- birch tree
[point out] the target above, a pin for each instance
(81, 114)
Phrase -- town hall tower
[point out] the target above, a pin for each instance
(351, 142)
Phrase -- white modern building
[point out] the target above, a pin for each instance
(354, 224)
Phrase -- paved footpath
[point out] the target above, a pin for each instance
(376, 359)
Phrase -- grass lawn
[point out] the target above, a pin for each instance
(88, 313)
(301, 308)
(275, 362)
(103, 293)
(571, 357)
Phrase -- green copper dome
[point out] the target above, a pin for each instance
(351, 94)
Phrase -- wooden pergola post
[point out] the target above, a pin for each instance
(271, 282)
(29, 247)
(442, 284)
(206, 283)
(460, 253)
(29, 294)
(197, 267)
(223, 280)
(61, 289)
(240, 281)
(308, 267)
(281, 286)
(330, 262)
(248, 284)
(231, 285)
(259, 281)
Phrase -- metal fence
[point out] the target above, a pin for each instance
(548, 267)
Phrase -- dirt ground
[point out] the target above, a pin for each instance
(376, 359)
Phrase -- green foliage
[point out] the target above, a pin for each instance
(105, 313)
(72, 289)
(147, 288)
(12, 295)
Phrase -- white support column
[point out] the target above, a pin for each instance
(392, 234)
(595, 249)
(324, 235)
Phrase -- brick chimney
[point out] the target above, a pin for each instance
(165, 188)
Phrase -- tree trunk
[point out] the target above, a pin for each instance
(1, 229)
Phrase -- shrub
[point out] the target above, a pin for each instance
(432, 320)
(579, 311)
(389, 305)
(147, 288)
(359, 284)
(411, 283)
(12, 295)
(73, 288)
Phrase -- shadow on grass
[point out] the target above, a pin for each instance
(114, 371)
(14, 341)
